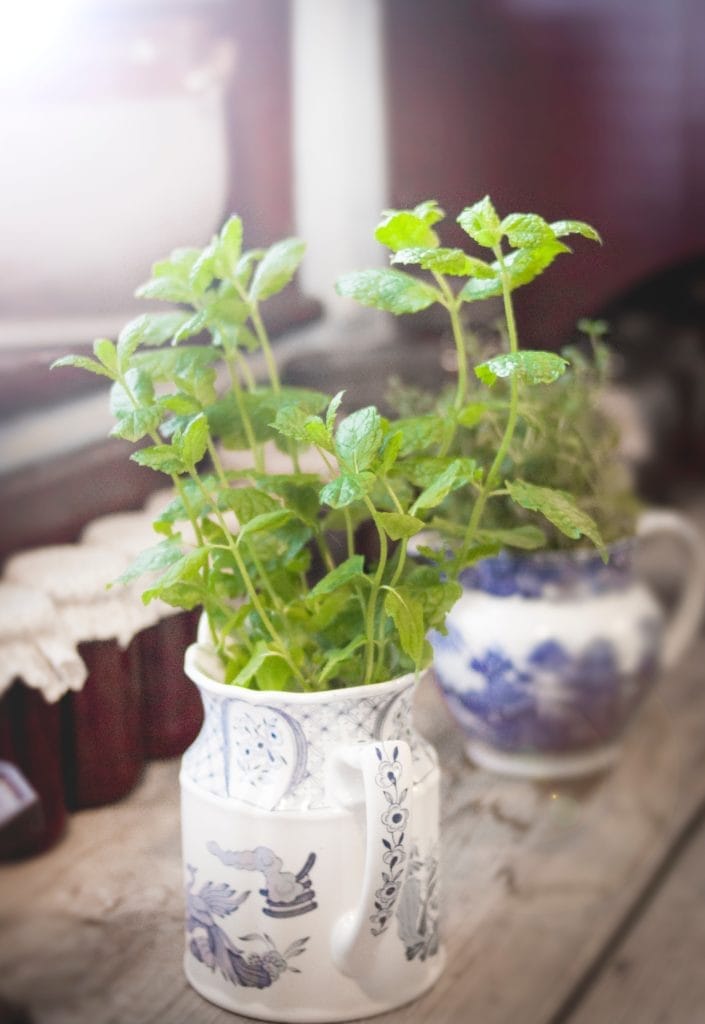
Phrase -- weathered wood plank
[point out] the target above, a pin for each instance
(537, 880)
(656, 975)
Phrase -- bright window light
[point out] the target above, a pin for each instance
(29, 31)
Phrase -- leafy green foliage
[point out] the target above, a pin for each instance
(529, 367)
(389, 290)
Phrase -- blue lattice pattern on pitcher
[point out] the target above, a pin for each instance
(274, 755)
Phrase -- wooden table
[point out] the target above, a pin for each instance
(564, 904)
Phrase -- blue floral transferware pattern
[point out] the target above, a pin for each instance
(394, 819)
(257, 963)
(552, 700)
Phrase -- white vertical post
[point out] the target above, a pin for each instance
(340, 166)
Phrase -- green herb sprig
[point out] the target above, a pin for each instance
(241, 544)
(522, 246)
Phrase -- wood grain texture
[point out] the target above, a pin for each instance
(537, 882)
(656, 976)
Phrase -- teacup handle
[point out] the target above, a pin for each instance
(685, 620)
(376, 781)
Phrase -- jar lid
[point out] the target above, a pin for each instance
(24, 611)
(67, 572)
(127, 532)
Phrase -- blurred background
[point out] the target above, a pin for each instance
(133, 126)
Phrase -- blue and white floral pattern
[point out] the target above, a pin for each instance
(546, 574)
(254, 961)
(394, 819)
(554, 700)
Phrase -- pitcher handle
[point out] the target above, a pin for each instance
(375, 780)
(685, 620)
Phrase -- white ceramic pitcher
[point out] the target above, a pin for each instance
(310, 841)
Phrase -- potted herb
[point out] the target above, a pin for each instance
(553, 644)
(309, 655)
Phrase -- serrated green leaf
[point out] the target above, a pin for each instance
(388, 290)
(229, 248)
(449, 480)
(295, 423)
(265, 521)
(406, 611)
(526, 537)
(160, 457)
(352, 568)
(161, 556)
(399, 526)
(192, 444)
(82, 363)
(482, 223)
(358, 439)
(419, 433)
(276, 269)
(249, 502)
(332, 411)
(558, 507)
(454, 262)
(346, 489)
(337, 657)
(181, 574)
(527, 366)
(425, 470)
(405, 229)
(390, 451)
(150, 329)
(104, 350)
(194, 325)
(522, 267)
(255, 665)
(167, 289)
(138, 423)
(169, 363)
(561, 228)
(429, 211)
(526, 230)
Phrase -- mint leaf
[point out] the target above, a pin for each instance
(192, 444)
(454, 262)
(295, 423)
(389, 290)
(561, 228)
(439, 490)
(194, 325)
(425, 470)
(405, 229)
(398, 525)
(337, 657)
(528, 366)
(481, 222)
(521, 266)
(255, 664)
(276, 269)
(160, 457)
(346, 489)
(418, 433)
(352, 568)
(229, 248)
(406, 611)
(188, 361)
(358, 439)
(526, 537)
(150, 329)
(429, 211)
(558, 507)
(104, 350)
(265, 521)
(526, 230)
(249, 502)
(82, 363)
(333, 410)
(186, 570)
(161, 556)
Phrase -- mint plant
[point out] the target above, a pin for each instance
(277, 621)
(513, 251)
